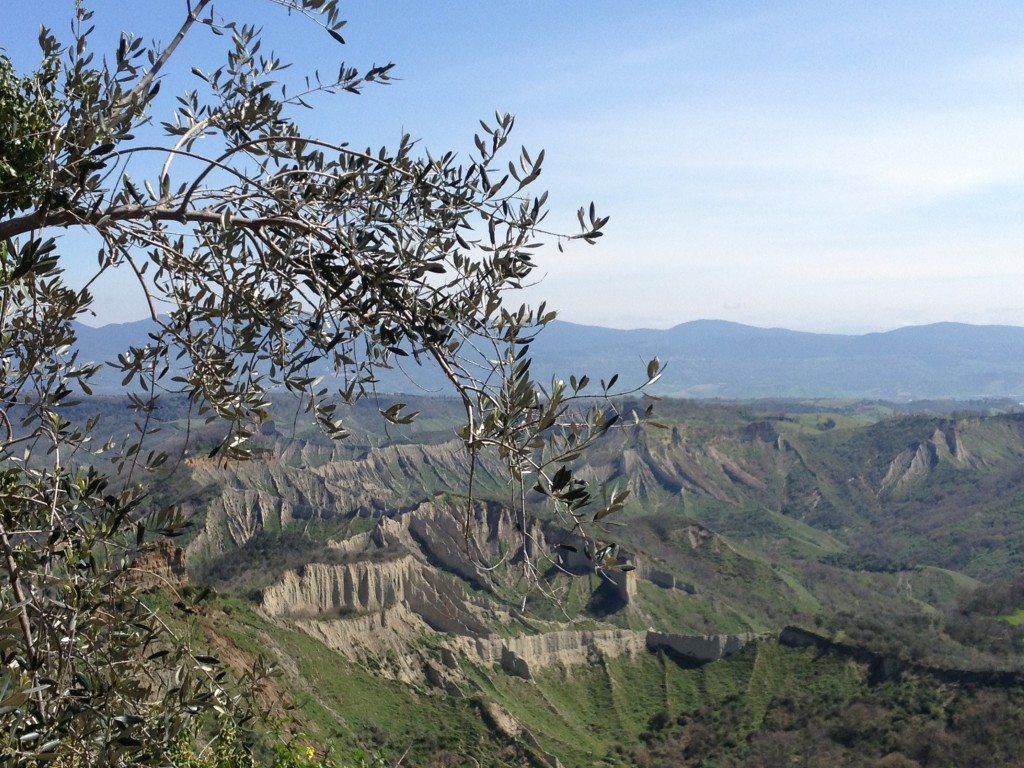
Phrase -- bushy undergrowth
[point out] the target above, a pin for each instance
(901, 723)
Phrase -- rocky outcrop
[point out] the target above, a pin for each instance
(385, 641)
(524, 655)
(431, 569)
(325, 591)
(276, 490)
(318, 589)
(162, 565)
(646, 571)
(910, 465)
(919, 459)
(734, 471)
(407, 579)
(698, 647)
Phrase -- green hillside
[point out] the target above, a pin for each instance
(897, 535)
(768, 704)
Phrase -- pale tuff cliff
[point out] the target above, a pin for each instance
(770, 464)
(406, 579)
(919, 459)
(281, 488)
(525, 654)
(271, 492)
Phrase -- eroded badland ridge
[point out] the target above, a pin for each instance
(866, 527)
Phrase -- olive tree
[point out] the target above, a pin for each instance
(263, 253)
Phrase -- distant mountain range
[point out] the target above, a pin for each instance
(713, 358)
(718, 359)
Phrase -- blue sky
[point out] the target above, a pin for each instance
(840, 166)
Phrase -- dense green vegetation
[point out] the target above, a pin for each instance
(768, 705)
(449, 589)
(894, 537)
(825, 709)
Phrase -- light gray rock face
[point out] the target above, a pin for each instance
(699, 647)
(405, 580)
(524, 655)
(276, 491)
(322, 591)
(920, 459)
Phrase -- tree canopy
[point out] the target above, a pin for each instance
(262, 252)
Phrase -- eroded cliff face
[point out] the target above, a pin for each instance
(163, 565)
(918, 460)
(425, 571)
(525, 654)
(422, 573)
(416, 577)
(271, 492)
(291, 485)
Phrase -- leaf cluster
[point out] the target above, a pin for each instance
(268, 257)
(27, 105)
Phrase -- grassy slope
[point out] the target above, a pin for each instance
(586, 715)
(818, 537)
(348, 707)
(647, 710)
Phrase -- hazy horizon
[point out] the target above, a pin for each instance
(94, 324)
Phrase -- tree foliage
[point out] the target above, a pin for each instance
(26, 106)
(264, 254)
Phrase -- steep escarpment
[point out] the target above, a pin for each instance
(416, 575)
(835, 479)
(525, 654)
(911, 465)
(278, 489)
(706, 506)
(947, 445)
(862, 530)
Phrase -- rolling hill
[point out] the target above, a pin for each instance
(808, 580)
(830, 577)
(717, 359)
